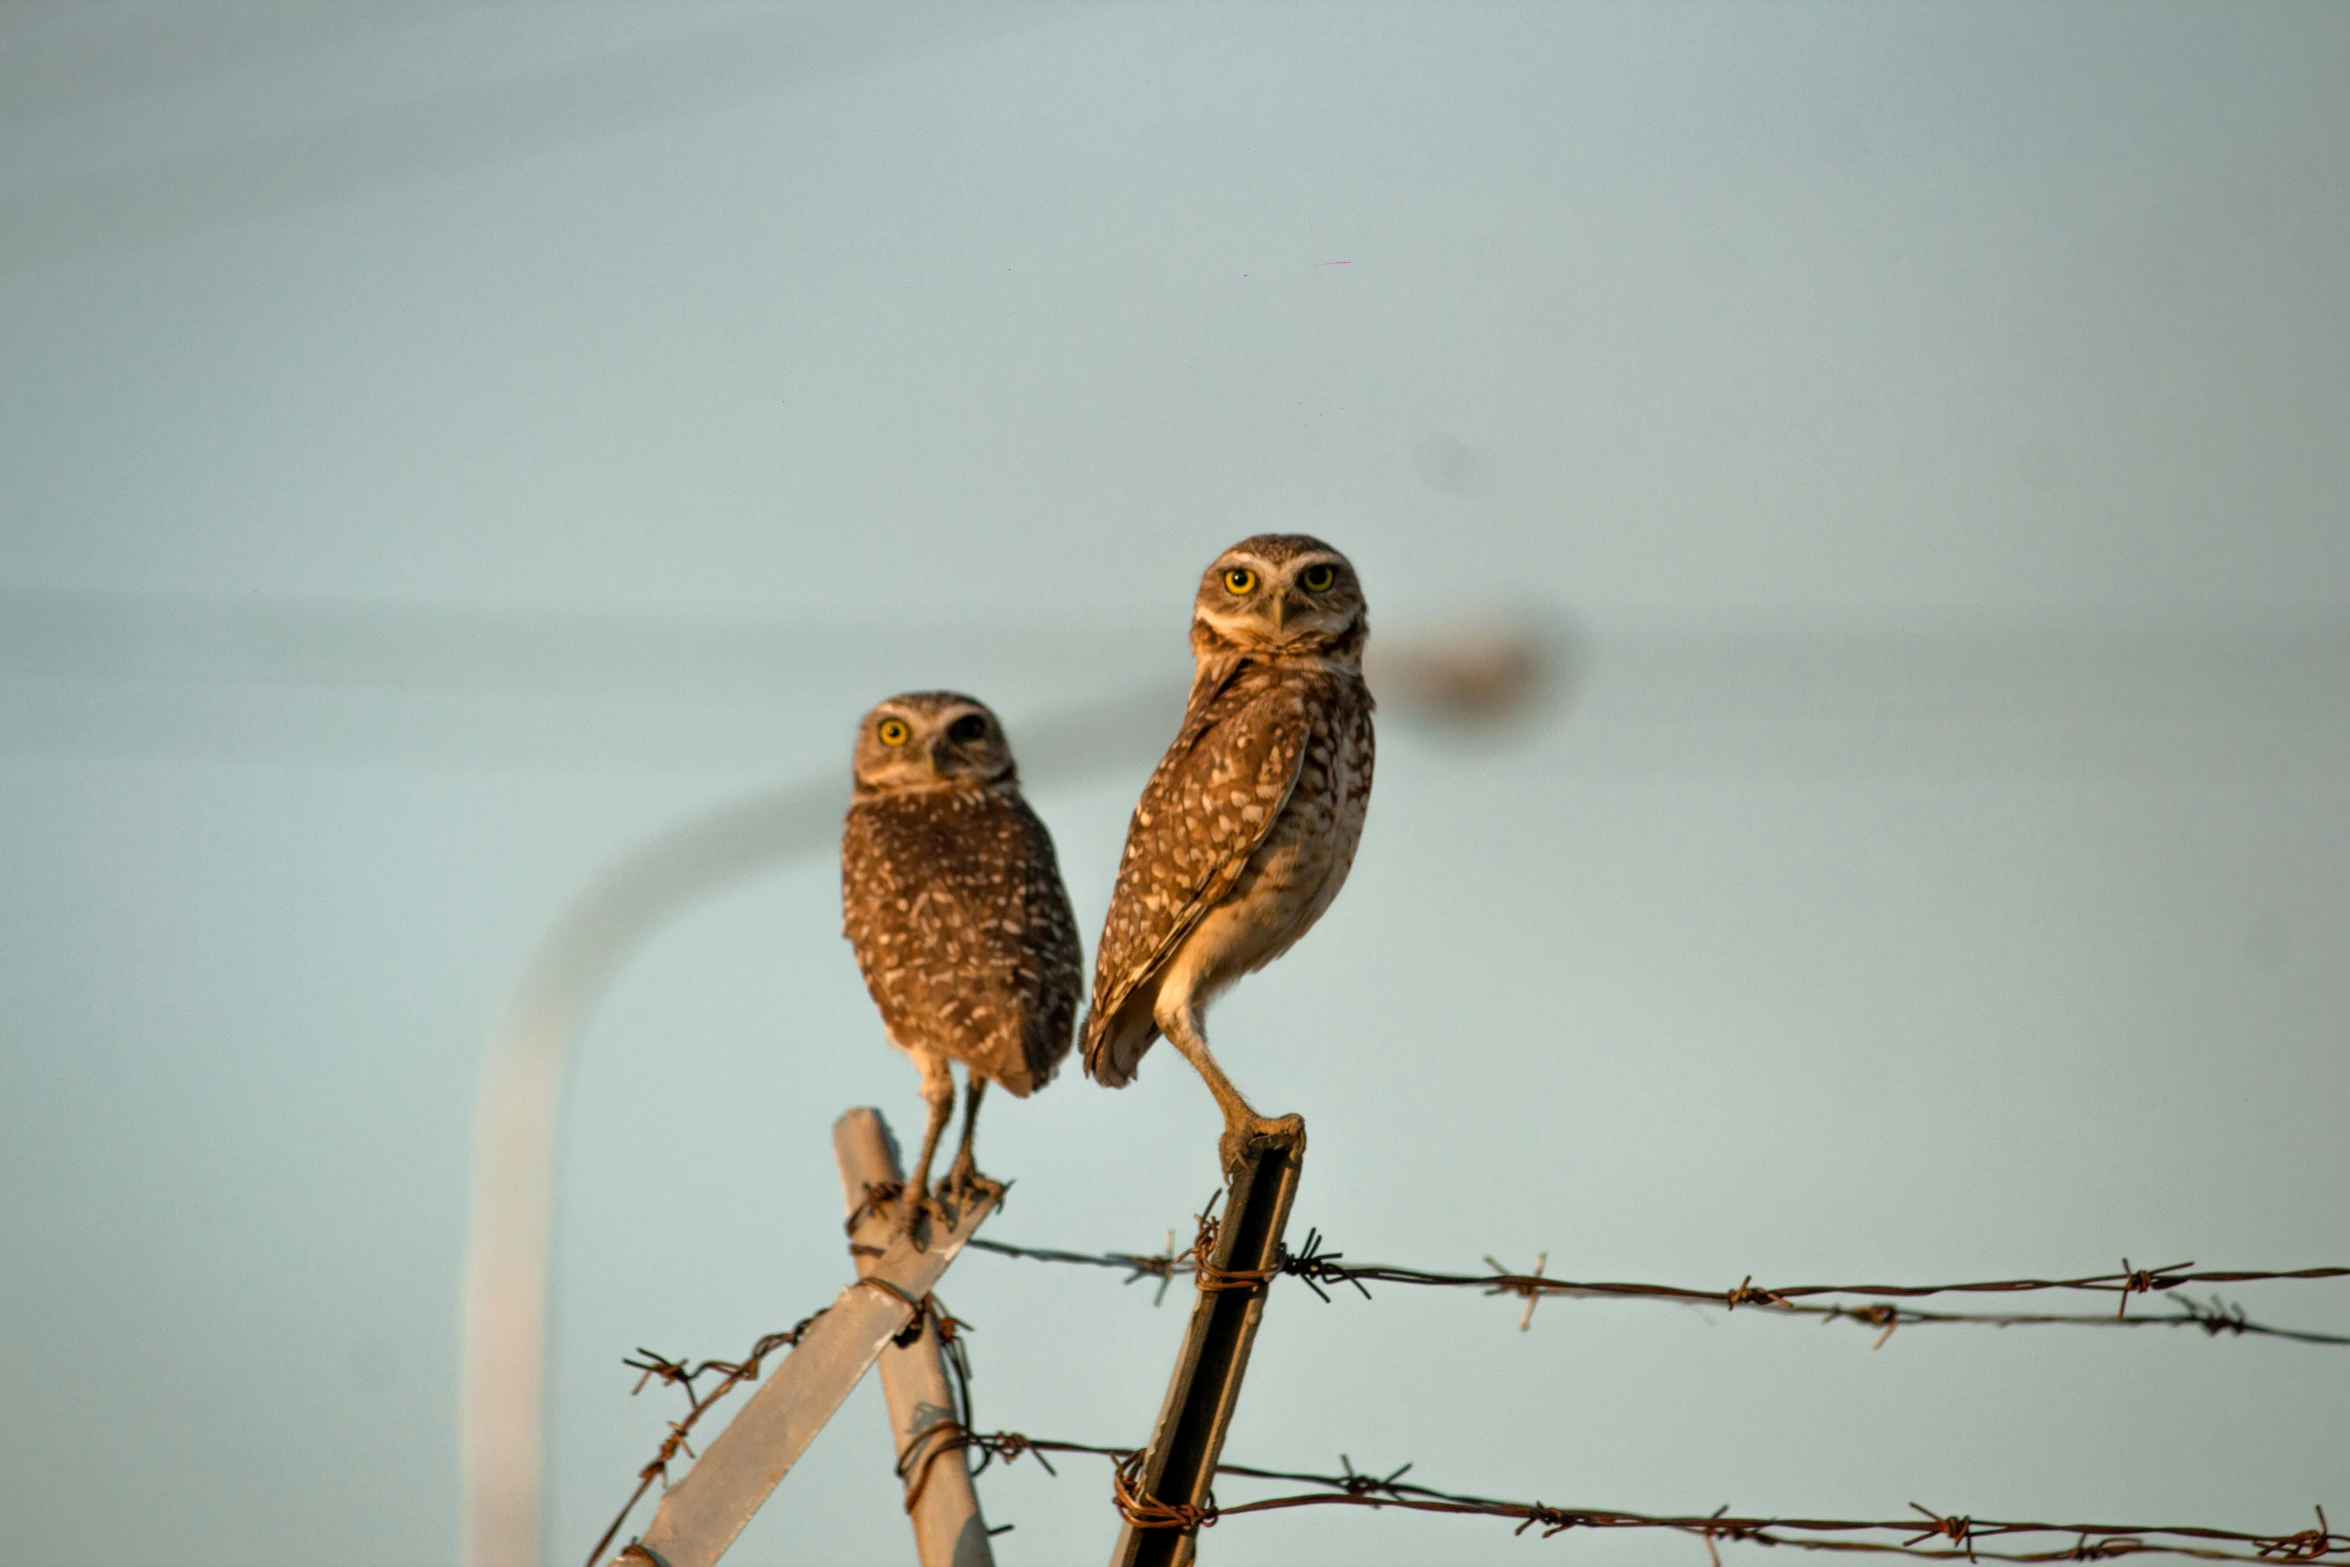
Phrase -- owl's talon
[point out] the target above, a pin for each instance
(964, 1187)
(965, 1181)
(915, 1208)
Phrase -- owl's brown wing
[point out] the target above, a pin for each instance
(1049, 972)
(1216, 794)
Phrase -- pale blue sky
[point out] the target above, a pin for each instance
(944, 347)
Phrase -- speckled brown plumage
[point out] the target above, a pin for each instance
(1246, 831)
(952, 897)
(962, 930)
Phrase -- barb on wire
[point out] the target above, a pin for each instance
(2214, 1319)
(1532, 1293)
(1929, 1534)
(682, 1374)
(1319, 1268)
(1162, 1266)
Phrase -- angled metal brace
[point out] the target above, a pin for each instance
(703, 1513)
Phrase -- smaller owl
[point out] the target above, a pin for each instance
(952, 898)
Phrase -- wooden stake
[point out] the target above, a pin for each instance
(948, 1529)
(1205, 1389)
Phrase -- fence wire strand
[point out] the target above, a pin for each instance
(684, 1374)
(928, 1312)
(1871, 1304)
(1928, 1534)
(1923, 1535)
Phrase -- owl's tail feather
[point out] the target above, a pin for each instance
(1114, 1047)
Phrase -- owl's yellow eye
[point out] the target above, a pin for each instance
(1240, 580)
(893, 731)
(1318, 579)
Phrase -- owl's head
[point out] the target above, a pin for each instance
(1281, 593)
(931, 740)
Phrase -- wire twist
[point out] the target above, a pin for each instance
(1148, 1512)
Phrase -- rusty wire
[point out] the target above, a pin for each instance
(679, 1373)
(733, 1373)
(943, 1435)
(1317, 1268)
(1138, 1265)
(1930, 1534)
(1958, 1534)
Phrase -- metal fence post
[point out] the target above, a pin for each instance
(948, 1528)
(1205, 1389)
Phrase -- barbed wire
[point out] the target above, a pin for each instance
(928, 1312)
(924, 1449)
(1318, 1267)
(683, 1374)
(1929, 1535)
(1956, 1535)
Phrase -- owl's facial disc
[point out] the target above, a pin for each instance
(1292, 604)
(928, 740)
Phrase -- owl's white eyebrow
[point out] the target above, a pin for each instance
(1266, 565)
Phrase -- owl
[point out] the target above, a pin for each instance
(1245, 832)
(952, 898)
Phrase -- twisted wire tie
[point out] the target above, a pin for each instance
(2308, 1545)
(1148, 1512)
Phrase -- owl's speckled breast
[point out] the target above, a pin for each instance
(1295, 873)
(959, 923)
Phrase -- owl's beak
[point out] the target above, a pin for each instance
(938, 753)
(1280, 610)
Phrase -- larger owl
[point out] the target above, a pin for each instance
(951, 895)
(1245, 832)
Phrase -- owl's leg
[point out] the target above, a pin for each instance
(1179, 1021)
(964, 1174)
(938, 1087)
